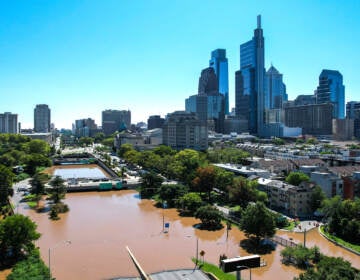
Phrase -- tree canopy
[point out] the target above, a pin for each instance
(295, 178)
(17, 234)
(210, 217)
(257, 221)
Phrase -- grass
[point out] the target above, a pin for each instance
(291, 226)
(340, 241)
(32, 204)
(208, 267)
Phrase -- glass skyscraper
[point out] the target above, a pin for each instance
(275, 89)
(219, 62)
(249, 82)
(331, 89)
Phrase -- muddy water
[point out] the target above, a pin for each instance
(314, 238)
(101, 224)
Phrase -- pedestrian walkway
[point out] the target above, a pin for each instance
(306, 226)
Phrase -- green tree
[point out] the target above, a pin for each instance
(295, 178)
(33, 161)
(99, 137)
(223, 178)
(125, 148)
(243, 191)
(57, 190)
(163, 150)
(210, 217)
(150, 184)
(38, 147)
(185, 165)
(32, 267)
(17, 234)
(278, 141)
(171, 193)
(316, 198)
(190, 202)
(86, 141)
(257, 222)
(6, 182)
(109, 142)
(38, 185)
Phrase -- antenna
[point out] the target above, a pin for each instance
(259, 21)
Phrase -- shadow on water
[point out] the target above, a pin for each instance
(137, 196)
(251, 246)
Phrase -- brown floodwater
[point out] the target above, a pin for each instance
(101, 224)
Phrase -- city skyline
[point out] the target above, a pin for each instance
(81, 58)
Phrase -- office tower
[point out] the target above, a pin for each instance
(353, 112)
(275, 89)
(208, 104)
(182, 130)
(314, 119)
(208, 82)
(219, 62)
(115, 120)
(42, 118)
(249, 81)
(155, 122)
(331, 89)
(8, 123)
(85, 128)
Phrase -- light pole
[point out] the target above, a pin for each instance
(238, 271)
(66, 242)
(197, 249)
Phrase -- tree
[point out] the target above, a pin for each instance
(85, 141)
(57, 190)
(6, 182)
(190, 202)
(185, 165)
(210, 217)
(33, 267)
(171, 193)
(295, 178)
(99, 137)
(38, 185)
(257, 222)
(125, 148)
(205, 180)
(33, 161)
(37, 146)
(316, 198)
(223, 178)
(243, 191)
(150, 183)
(17, 234)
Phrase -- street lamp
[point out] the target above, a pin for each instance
(238, 271)
(66, 242)
(197, 249)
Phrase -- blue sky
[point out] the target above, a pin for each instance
(82, 57)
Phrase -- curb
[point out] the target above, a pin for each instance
(338, 244)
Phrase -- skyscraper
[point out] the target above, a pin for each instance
(331, 89)
(115, 120)
(249, 81)
(42, 118)
(8, 123)
(219, 62)
(208, 104)
(275, 89)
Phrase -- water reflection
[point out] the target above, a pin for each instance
(101, 224)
